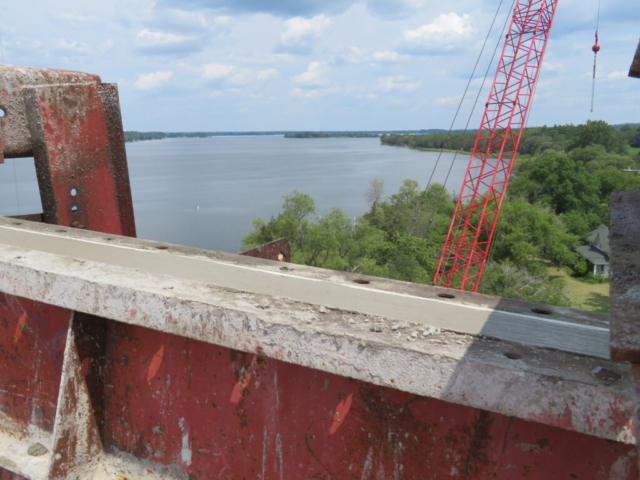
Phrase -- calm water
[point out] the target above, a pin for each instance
(206, 192)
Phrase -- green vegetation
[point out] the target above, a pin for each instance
(331, 135)
(559, 193)
(133, 136)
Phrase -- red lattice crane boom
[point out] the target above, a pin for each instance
(475, 218)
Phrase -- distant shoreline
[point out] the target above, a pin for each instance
(445, 150)
(135, 136)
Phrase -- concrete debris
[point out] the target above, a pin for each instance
(605, 374)
(430, 331)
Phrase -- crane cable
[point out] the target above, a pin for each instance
(596, 49)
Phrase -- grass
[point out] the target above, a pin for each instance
(634, 150)
(586, 296)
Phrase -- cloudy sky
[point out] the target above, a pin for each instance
(238, 65)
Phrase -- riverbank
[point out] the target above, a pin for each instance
(444, 150)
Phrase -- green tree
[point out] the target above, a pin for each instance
(601, 133)
(556, 180)
(507, 280)
(528, 233)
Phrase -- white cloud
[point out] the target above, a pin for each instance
(388, 56)
(617, 75)
(266, 75)
(368, 96)
(552, 67)
(152, 81)
(448, 100)
(263, 58)
(72, 47)
(443, 34)
(304, 94)
(400, 83)
(155, 41)
(300, 33)
(314, 76)
(217, 71)
(74, 20)
(355, 55)
(232, 75)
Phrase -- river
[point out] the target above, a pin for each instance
(205, 192)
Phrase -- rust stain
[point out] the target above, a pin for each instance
(84, 368)
(155, 364)
(20, 327)
(341, 413)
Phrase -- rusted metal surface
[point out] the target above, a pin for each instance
(634, 70)
(532, 324)
(159, 362)
(211, 413)
(32, 217)
(624, 238)
(581, 393)
(31, 358)
(15, 137)
(278, 250)
(71, 124)
(81, 167)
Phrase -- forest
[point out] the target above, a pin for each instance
(330, 135)
(560, 190)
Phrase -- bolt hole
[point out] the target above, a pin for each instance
(162, 247)
(362, 281)
(445, 295)
(2, 112)
(73, 192)
(17, 223)
(541, 311)
(108, 239)
(74, 209)
(61, 231)
(513, 356)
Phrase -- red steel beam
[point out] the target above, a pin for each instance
(70, 122)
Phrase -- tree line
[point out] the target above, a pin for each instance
(534, 140)
(557, 195)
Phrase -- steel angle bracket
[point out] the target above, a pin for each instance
(70, 123)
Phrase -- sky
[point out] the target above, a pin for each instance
(259, 65)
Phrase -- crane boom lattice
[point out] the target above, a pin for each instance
(475, 218)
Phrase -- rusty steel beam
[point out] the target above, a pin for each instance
(174, 378)
(624, 238)
(278, 250)
(561, 328)
(70, 123)
(376, 349)
(625, 276)
(32, 217)
(15, 136)
(634, 70)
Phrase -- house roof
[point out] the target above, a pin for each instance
(599, 238)
(594, 255)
